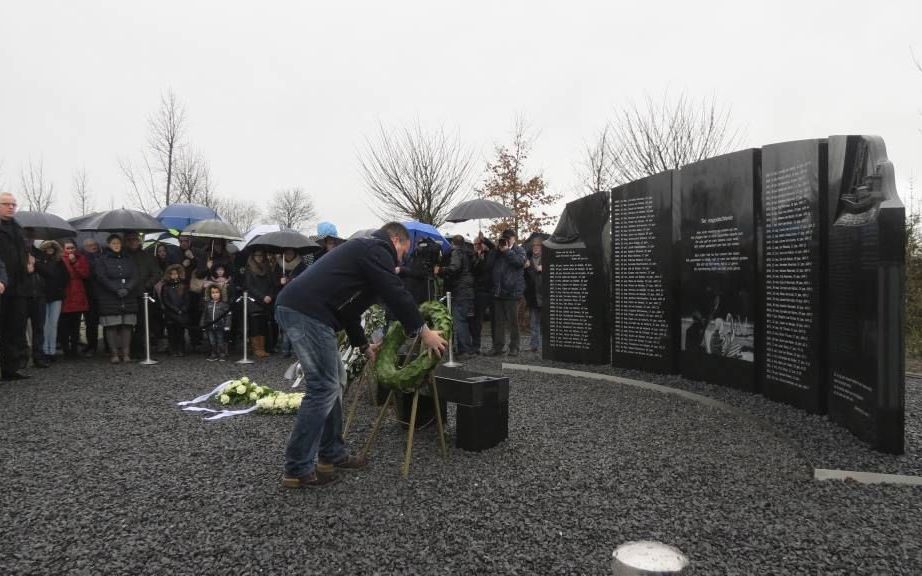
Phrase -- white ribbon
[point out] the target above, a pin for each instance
(198, 409)
(204, 397)
(227, 413)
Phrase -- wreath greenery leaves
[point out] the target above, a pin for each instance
(412, 375)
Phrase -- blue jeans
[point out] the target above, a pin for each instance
(535, 315)
(52, 313)
(318, 428)
(461, 311)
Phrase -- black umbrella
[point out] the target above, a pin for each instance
(45, 226)
(213, 229)
(121, 220)
(478, 209)
(284, 240)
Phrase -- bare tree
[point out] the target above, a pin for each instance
(597, 170)
(647, 139)
(165, 139)
(153, 179)
(417, 175)
(291, 208)
(242, 215)
(192, 177)
(39, 194)
(82, 200)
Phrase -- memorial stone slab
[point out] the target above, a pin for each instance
(791, 262)
(645, 315)
(576, 262)
(865, 277)
(719, 292)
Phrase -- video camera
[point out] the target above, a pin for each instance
(428, 253)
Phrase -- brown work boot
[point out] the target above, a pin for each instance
(347, 463)
(259, 347)
(315, 479)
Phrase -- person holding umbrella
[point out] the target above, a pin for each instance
(51, 267)
(260, 283)
(116, 284)
(12, 301)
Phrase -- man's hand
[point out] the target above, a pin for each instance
(2, 287)
(433, 341)
(371, 351)
(267, 299)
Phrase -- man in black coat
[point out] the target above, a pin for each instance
(331, 296)
(459, 280)
(12, 320)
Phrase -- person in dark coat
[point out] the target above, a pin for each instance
(193, 258)
(149, 274)
(483, 288)
(50, 266)
(32, 290)
(534, 293)
(216, 321)
(290, 266)
(330, 296)
(175, 299)
(507, 265)
(116, 283)
(91, 316)
(260, 283)
(459, 280)
(75, 300)
(12, 303)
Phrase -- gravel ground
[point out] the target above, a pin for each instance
(100, 473)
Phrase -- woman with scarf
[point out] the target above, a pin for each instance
(75, 298)
(260, 283)
(291, 264)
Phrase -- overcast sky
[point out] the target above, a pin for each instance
(284, 94)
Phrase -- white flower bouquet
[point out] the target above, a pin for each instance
(242, 391)
(280, 403)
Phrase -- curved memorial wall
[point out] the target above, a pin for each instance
(776, 270)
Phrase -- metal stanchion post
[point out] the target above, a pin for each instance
(147, 361)
(245, 298)
(451, 343)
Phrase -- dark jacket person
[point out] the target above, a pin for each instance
(116, 283)
(330, 296)
(12, 303)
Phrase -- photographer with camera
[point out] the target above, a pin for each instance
(507, 263)
(418, 274)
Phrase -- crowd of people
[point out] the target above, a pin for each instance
(57, 297)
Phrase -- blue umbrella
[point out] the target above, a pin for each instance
(180, 215)
(418, 230)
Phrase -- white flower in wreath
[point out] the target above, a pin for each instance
(253, 395)
(224, 399)
(241, 390)
(244, 380)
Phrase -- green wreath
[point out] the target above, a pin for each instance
(411, 376)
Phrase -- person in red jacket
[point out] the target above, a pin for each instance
(75, 298)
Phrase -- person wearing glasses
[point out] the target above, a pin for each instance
(12, 303)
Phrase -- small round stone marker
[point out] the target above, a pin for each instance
(647, 558)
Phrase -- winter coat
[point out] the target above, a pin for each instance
(259, 284)
(507, 267)
(75, 298)
(290, 270)
(116, 283)
(415, 276)
(212, 315)
(339, 287)
(4, 279)
(534, 292)
(174, 301)
(53, 271)
(14, 255)
(148, 268)
(480, 268)
(459, 279)
(32, 286)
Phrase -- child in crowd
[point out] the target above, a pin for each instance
(216, 322)
(174, 299)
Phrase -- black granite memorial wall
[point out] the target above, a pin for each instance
(866, 265)
(719, 292)
(644, 301)
(791, 358)
(576, 279)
